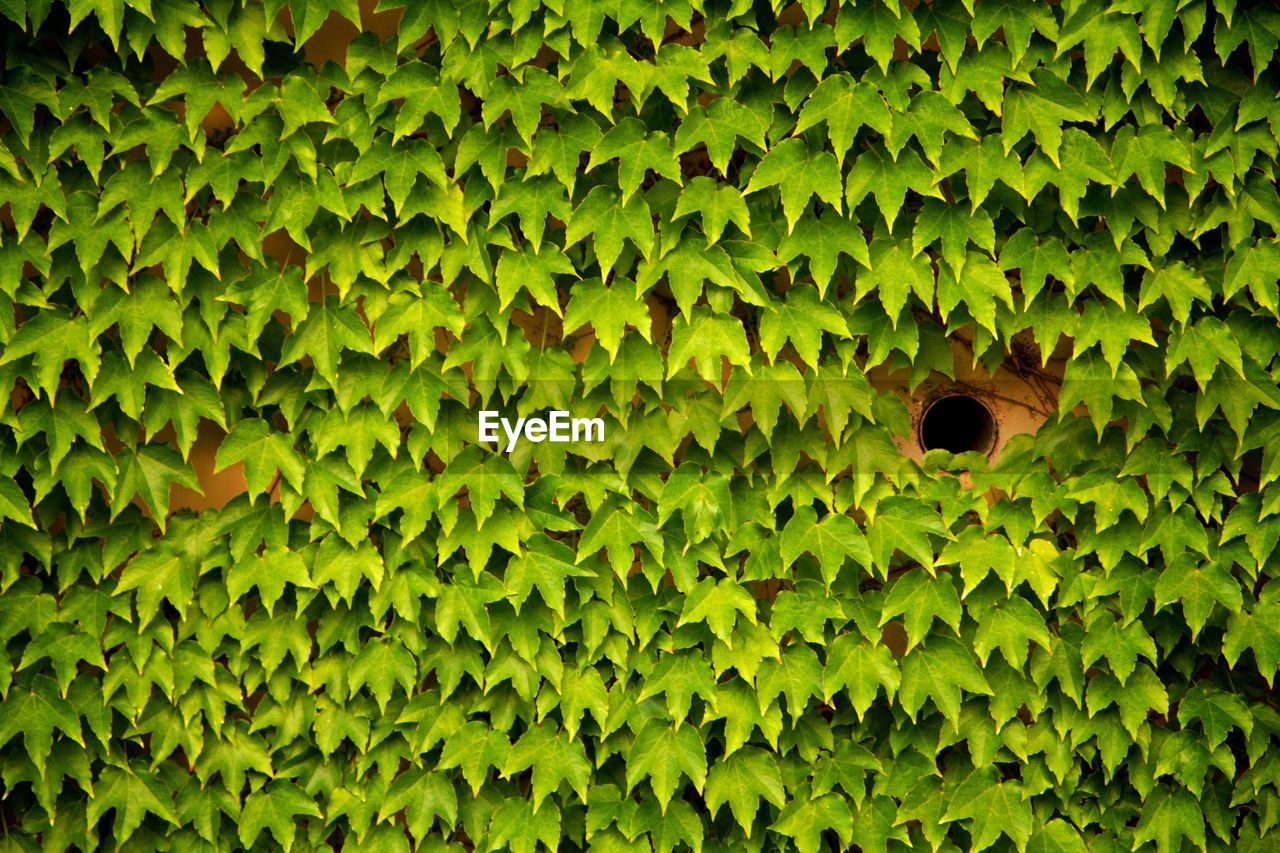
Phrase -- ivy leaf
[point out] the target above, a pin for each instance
(61, 426)
(798, 174)
(705, 339)
(275, 807)
(269, 572)
(796, 673)
(940, 671)
(159, 573)
(475, 748)
(1036, 259)
(996, 808)
(846, 105)
(1090, 381)
(557, 150)
(609, 221)
(718, 603)
(662, 754)
(1041, 109)
(878, 27)
(903, 524)
(1204, 345)
(149, 473)
(955, 228)
(703, 500)
(35, 711)
(524, 99)
(1257, 629)
(265, 454)
(718, 204)
(609, 310)
(51, 339)
(896, 273)
(888, 179)
(742, 780)
(930, 119)
(831, 540)
(984, 284)
(134, 793)
(380, 665)
(680, 677)
(544, 565)
(719, 126)
(328, 330)
(1197, 585)
(805, 820)
(13, 503)
(1169, 816)
(801, 319)
(1180, 287)
(1115, 328)
(1011, 626)
(554, 758)
(823, 240)
(862, 669)
(533, 272)
(921, 598)
(637, 151)
(533, 200)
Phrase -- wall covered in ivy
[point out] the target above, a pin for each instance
(263, 263)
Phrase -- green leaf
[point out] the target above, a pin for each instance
(903, 524)
(718, 603)
(609, 221)
(801, 319)
(545, 565)
(1199, 586)
(269, 572)
(920, 598)
(719, 126)
(831, 540)
(1169, 816)
(718, 205)
(13, 503)
(133, 792)
(51, 339)
(845, 105)
(1257, 629)
(702, 499)
(637, 152)
(276, 808)
(1011, 626)
(266, 454)
(705, 339)
(862, 669)
(940, 671)
(798, 175)
(609, 310)
(1179, 286)
(532, 272)
(1204, 345)
(995, 807)
(159, 573)
(35, 711)
(663, 754)
(554, 758)
(742, 780)
(328, 331)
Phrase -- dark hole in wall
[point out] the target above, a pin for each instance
(958, 423)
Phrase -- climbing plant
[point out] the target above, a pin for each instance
(284, 252)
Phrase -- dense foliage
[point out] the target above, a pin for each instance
(745, 620)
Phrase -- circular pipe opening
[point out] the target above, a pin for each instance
(958, 423)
